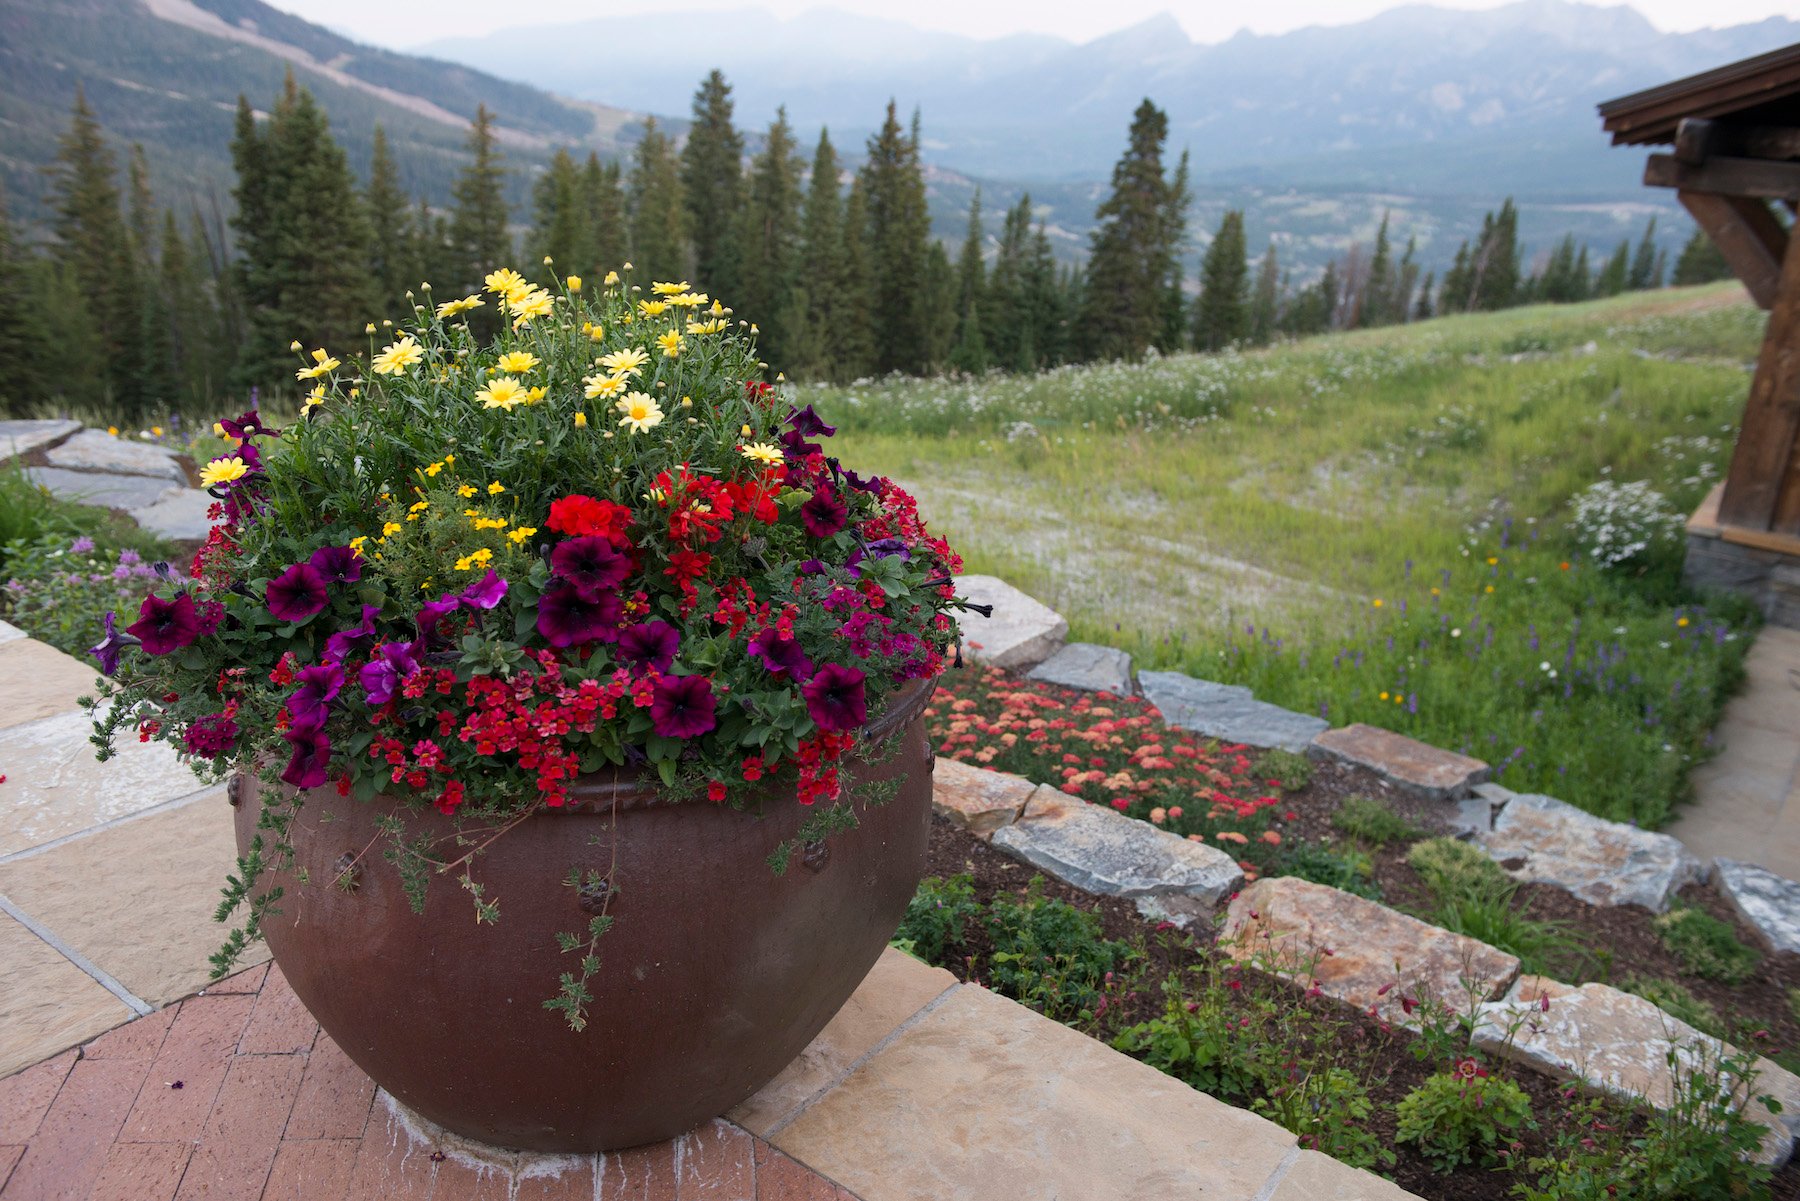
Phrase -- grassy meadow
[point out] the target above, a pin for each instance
(1372, 526)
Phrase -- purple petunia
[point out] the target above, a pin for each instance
(484, 593)
(297, 593)
(382, 676)
(311, 761)
(780, 655)
(566, 618)
(878, 550)
(319, 685)
(248, 426)
(808, 424)
(163, 626)
(650, 644)
(433, 612)
(340, 644)
(835, 698)
(824, 515)
(591, 564)
(338, 564)
(108, 648)
(682, 706)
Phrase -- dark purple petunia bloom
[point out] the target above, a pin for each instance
(807, 424)
(682, 706)
(340, 644)
(878, 550)
(297, 593)
(835, 698)
(824, 515)
(319, 685)
(591, 564)
(796, 446)
(338, 564)
(812, 567)
(566, 618)
(650, 644)
(311, 761)
(252, 461)
(872, 484)
(382, 676)
(108, 648)
(248, 426)
(163, 626)
(781, 656)
(433, 612)
(484, 593)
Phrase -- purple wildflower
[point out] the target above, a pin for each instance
(650, 644)
(836, 699)
(163, 626)
(807, 424)
(308, 768)
(682, 706)
(484, 593)
(781, 656)
(319, 685)
(297, 593)
(340, 644)
(81, 545)
(382, 676)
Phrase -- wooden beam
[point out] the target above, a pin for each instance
(1756, 482)
(1769, 141)
(1698, 139)
(1747, 234)
(1726, 176)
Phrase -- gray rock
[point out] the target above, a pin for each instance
(1546, 841)
(1414, 767)
(9, 632)
(1092, 848)
(107, 491)
(1227, 712)
(97, 450)
(22, 437)
(180, 515)
(1022, 632)
(1087, 666)
(1763, 899)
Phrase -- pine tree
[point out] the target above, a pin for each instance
(391, 258)
(1644, 274)
(1222, 317)
(147, 356)
(712, 185)
(21, 380)
(1556, 283)
(559, 229)
(815, 342)
(854, 344)
(971, 352)
(1130, 263)
(659, 242)
(940, 308)
(1049, 299)
(1265, 299)
(1617, 273)
(1453, 296)
(1700, 262)
(479, 214)
(1423, 311)
(608, 227)
(1173, 335)
(1377, 306)
(1405, 280)
(897, 230)
(1495, 264)
(768, 246)
(183, 319)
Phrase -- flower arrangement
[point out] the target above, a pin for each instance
(471, 572)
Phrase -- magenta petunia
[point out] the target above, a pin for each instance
(683, 706)
(780, 655)
(319, 685)
(338, 564)
(297, 593)
(310, 765)
(107, 650)
(809, 425)
(566, 618)
(835, 698)
(166, 625)
(650, 644)
(591, 564)
(431, 613)
(211, 736)
(484, 593)
(382, 676)
(824, 515)
(340, 644)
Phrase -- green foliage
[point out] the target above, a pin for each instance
(1371, 821)
(1329, 1108)
(768, 248)
(1462, 1117)
(480, 239)
(897, 231)
(1133, 255)
(1700, 261)
(1473, 896)
(1678, 1001)
(1346, 868)
(712, 187)
(1049, 954)
(1222, 314)
(1453, 870)
(1706, 946)
(1283, 769)
(60, 590)
(936, 918)
(659, 224)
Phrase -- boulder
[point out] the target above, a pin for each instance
(1098, 850)
(1089, 667)
(1409, 765)
(978, 800)
(1360, 951)
(23, 437)
(107, 491)
(1764, 900)
(99, 451)
(1547, 841)
(1227, 712)
(1021, 633)
(180, 515)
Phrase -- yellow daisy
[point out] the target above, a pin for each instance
(669, 289)
(323, 364)
(516, 362)
(706, 327)
(506, 283)
(502, 392)
(625, 362)
(533, 302)
(671, 344)
(451, 308)
(314, 399)
(398, 357)
(653, 308)
(639, 412)
(762, 452)
(222, 471)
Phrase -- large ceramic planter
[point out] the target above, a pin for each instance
(716, 973)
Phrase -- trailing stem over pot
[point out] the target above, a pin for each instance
(470, 573)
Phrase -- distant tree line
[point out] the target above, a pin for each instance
(131, 311)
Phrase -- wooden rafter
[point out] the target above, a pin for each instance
(1726, 176)
(1760, 486)
(1747, 234)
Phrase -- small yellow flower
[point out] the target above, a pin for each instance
(522, 534)
(434, 468)
(502, 392)
(653, 308)
(690, 300)
(489, 523)
(712, 326)
(474, 560)
(687, 402)
(669, 289)
(762, 452)
(506, 283)
(573, 283)
(390, 527)
(113, 430)
(418, 506)
(516, 362)
(745, 431)
(398, 357)
(535, 395)
(612, 277)
(356, 544)
(1377, 603)
(581, 421)
(465, 490)
(451, 308)
(1434, 592)
(534, 302)
(625, 362)
(671, 344)
(369, 328)
(1490, 587)
(605, 385)
(639, 412)
(294, 345)
(221, 471)
(1681, 622)
(1492, 561)
(323, 364)
(315, 398)
(596, 332)
(496, 488)
(1384, 696)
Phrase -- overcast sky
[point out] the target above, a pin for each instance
(404, 23)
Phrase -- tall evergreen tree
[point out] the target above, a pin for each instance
(1173, 335)
(1617, 273)
(815, 345)
(1050, 298)
(853, 345)
(1377, 302)
(1265, 299)
(971, 351)
(897, 229)
(712, 186)
(1009, 325)
(659, 242)
(1644, 274)
(391, 255)
(768, 245)
(608, 227)
(1495, 263)
(1405, 280)
(1423, 311)
(21, 366)
(1222, 317)
(1133, 247)
(146, 357)
(1454, 294)
(559, 228)
(1700, 262)
(479, 232)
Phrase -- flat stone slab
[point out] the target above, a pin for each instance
(179, 515)
(1022, 632)
(40, 681)
(106, 491)
(55, 787)
(1228, 712)
(1089, 667)
(1354, 948)
(97, 450)
(1546, 841)
(1619, 1043)
(1406, 763)
(47, 1004)
(1101, 851)
(1316, 1177)
(23, 437)
(984, 1099)
(8, 632)
(1769, 902)
(976, 799)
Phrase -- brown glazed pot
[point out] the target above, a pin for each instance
(715, 974)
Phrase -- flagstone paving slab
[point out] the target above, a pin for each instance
(47, 1004)
(41, 681)
(55, 787)
(23, 437)
(1228, 712)
(1546, 841)
(97, 450)
(1409, 765)
(1088, 667)
(1766, 901)
(983, 1098)
(1021, 633)
(1316, 1177)
(137, 899)
(180, 516)
(1360, 951)
(107, 491)
(1098, 850)
(8, 632)
(976, 799)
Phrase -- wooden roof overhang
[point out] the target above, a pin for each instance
(1735, 134)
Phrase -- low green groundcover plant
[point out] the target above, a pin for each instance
(61, 588)
(1706, 946)
(1472, 895)
(1370, 821)
(1463, 1116)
